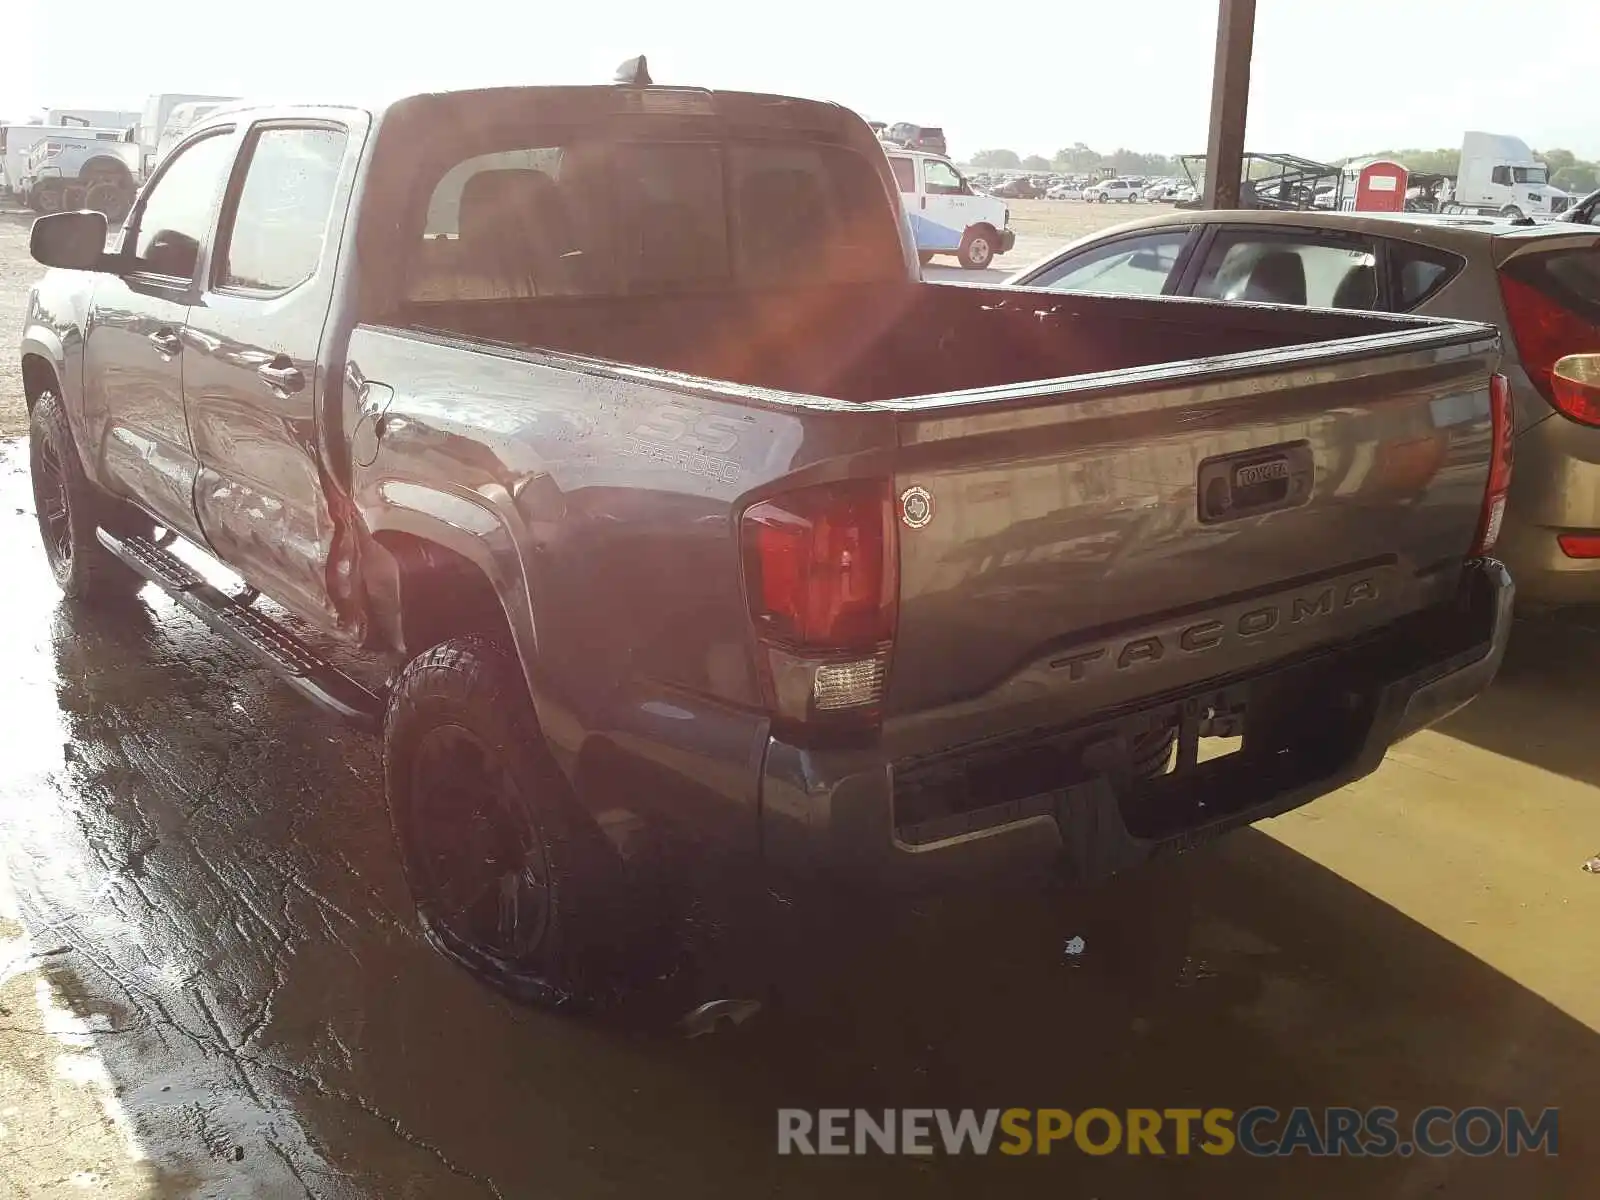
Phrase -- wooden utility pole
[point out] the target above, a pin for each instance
(1230, 100)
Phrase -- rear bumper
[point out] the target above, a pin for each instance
(834, 812)
(1555, 489)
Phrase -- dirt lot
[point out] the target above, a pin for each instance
(213, 984)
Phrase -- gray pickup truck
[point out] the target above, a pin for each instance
(679, 522)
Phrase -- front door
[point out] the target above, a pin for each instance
(944, 209)
(252, 379)
(134, 344)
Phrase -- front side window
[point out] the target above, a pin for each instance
(1130, 266)
(941, 178)
(281, 218)
(176, 214)
(1530, 174)
(597, 218)
(1287, 270)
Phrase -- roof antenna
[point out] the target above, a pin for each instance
(635, 72)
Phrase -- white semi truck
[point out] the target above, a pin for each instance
(1499, 176)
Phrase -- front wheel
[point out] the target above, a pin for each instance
(1511, 212)
(70, 509)
(1102, 198)
(510, 878)
(977, 249)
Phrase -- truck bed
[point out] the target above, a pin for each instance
(886, 342)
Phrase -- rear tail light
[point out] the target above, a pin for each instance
(1545, 330)
(1494, 493)
(821, 580)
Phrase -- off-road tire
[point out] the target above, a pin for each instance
(565, 947)
(70, 509)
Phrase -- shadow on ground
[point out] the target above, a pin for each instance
(1544, 708)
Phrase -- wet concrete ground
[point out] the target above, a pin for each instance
(206, 913)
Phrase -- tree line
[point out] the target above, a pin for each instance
(1567, 170)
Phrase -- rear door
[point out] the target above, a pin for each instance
(254, 378)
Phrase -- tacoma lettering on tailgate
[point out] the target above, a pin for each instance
(1242, 622)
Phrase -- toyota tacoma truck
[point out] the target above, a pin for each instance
(658, 512)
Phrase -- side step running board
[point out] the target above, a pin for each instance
(299, 665)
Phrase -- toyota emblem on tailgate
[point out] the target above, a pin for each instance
(916, 507)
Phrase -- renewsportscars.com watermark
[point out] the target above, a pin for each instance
(1260, 1132)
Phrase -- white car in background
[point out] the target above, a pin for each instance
(1111, 189)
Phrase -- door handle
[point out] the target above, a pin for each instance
(924, 203)
(166, 342)
(282, 376)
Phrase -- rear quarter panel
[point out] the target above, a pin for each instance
(602, 505)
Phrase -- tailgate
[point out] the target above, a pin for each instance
(1115, 537)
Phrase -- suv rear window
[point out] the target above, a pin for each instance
(597, 218)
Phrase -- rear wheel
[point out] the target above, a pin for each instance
(977, 248)
(510, 878)
(70, 509)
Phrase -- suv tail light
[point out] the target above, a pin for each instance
(1494, 494)
(1545, 330)
(821, 580)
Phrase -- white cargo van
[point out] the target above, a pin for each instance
(946, 215)
(1499, 176)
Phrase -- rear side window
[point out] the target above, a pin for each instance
(1284, 269)
(281, 218)
(1419, 273)
(597, 218)
(905, 173)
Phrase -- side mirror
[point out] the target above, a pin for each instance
(74, 241)
(1575, 380)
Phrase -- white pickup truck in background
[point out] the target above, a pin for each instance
(947, 216)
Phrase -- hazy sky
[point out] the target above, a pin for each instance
(1330, 77)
